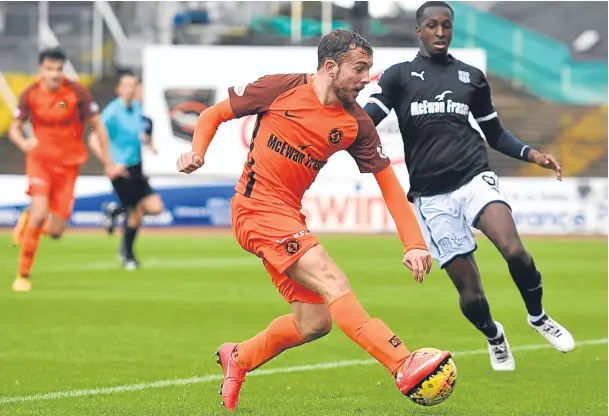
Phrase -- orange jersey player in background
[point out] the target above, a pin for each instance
(303, 119)
(59, 109)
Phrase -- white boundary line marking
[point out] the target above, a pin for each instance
(158, 264)
(280, 370)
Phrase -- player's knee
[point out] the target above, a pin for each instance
(515, 252)
(55, 234)
(472, 298)
(55, 229)
(315, 327)
(152, 205)
(156, 208)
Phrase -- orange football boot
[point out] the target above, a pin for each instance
(418, 366)
(22, 284)
(234, 376)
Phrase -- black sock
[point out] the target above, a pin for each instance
(478, 313)
(129, 239)
(529, 283)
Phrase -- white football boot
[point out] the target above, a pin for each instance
(554, 332)
(501, 354)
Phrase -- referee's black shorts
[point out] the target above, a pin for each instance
(132, 189)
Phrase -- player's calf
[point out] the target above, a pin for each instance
(476, 309)
(497, 223)
(528, 280)
(464, 274)
(312, 321)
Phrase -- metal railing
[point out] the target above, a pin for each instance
(544, 66)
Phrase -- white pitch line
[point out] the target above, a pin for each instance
(159, 264)
(281, 370)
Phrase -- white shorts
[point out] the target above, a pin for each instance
(446, 219)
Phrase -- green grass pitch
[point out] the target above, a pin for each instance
(92, 339)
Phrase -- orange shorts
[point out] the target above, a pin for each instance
(55, 182)
(279, 238)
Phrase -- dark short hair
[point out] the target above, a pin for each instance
(122, 74)
(336, 44)
(428, 4)
(54, 54)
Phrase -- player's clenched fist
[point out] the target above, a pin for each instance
(419, 261)
(189, 162)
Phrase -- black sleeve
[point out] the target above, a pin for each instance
(147, 125)
(384, 95)
(486, 116)
(483, 108)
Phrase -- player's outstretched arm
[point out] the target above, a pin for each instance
(205, 129)
(244, 100)
(502, 140)
(384, 95)
(416, 257)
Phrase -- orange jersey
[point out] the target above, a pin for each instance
(58, 119)
(295, 135)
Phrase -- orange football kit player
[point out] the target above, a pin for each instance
(303, 119)
(59, 109)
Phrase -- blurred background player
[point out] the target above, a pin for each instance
(127, 129)
(303, 119)
(59, 110)
(451, 180)
(113, 210)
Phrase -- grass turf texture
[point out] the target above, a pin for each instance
(87, 324)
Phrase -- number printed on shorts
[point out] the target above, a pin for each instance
(492, 181)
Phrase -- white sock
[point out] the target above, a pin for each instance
(536, 318)
(499, 334)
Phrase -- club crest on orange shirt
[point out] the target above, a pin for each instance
(335, 136)
(292, 246)
(62, 105)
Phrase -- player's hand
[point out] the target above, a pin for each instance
(153, 149)
(189, 162)
(28, 145)
(419, 261)
(113, 171)
(548, 161)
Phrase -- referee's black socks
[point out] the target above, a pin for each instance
(129, 239)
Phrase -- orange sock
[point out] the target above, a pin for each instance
(370, 334)
(29, 246)
(278, 337)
